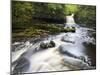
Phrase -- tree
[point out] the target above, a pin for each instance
(22, 13)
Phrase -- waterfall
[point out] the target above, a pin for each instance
(70, 21)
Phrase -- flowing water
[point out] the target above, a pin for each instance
(73, 51)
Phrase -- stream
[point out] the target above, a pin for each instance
(73, 51)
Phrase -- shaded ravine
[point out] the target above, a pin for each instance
(72, 52)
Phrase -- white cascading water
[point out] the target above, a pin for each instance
(53, 59)
(70, 20)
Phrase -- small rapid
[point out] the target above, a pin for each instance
(72, 52)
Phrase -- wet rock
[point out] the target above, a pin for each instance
(64, 51)
(21, 66)
(69, 29)
(68, 39)
(76, 63)
(35, 40)
(52, 43)
(17, 47)
(47, 45)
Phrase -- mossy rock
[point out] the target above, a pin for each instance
(52, 43)
(43, 45)
(69, 29)
(47, 45)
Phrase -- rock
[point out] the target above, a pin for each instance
(52, 43)
(68, 39)
(64, 51)
(47, 45)
(21, 66)
(43, 45)
(69, 29)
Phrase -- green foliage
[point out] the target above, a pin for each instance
(33, 19)
(86, 15)
(24, 13)
(49, 11)
(21, 13)
(69, 9)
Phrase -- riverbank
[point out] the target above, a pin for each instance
(38, 30)
(35, 31)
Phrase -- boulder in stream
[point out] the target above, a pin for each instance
(21, 66)
(68, 39)
(47, 45)
(69, 29)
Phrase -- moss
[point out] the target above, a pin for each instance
(47, 45)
